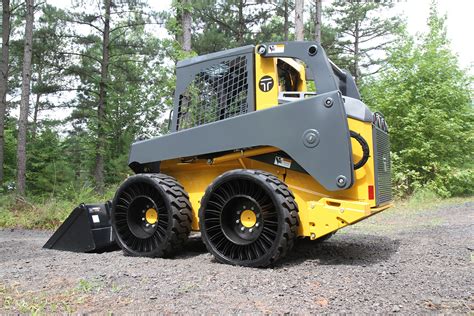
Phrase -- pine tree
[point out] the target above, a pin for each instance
(363, 34)
(4, 79)
(122, 85)
(222, 24)
(25, 98)
(318, 7)
(299, 24)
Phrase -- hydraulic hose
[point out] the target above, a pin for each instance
(365, 150)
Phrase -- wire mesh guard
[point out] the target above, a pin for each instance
(216, 93)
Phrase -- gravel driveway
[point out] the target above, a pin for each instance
(398, 261)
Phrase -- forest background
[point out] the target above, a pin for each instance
(79, 84)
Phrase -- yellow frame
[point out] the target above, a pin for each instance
(320, 211)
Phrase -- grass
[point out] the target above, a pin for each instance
(67, 297)
(49, 212)
(45, 212)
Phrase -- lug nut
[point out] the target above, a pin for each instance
(143, 218)
(237, 221)
(251, 230)
(242, 228)
(257, 224)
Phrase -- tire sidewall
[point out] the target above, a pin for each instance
(147, 179)
(254, 177)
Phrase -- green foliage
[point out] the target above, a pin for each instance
(424, 94)
(47, 211)
(426, 98)
(364, 31)
(48, 169)
(10, 155)
(222, 24)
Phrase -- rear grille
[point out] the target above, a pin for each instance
(383, 185)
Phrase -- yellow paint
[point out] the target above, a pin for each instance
(265, 67)
(320, 211)
(248, 218)
(151, 216)
(243, 154)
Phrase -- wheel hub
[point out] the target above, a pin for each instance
(248, 218)
(142, 216)
(241, 220)
(151, 216)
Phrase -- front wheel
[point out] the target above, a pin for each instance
(248, 218)
(151, 215)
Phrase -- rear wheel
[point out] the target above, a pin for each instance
(151, 215)
(248, 218)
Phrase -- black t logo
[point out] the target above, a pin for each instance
(266, 83)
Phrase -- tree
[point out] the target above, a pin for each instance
(317, 20)
(49, 65)
(220, 24)
(426, 99)
(49, 170)
(271, 28)
(299, 24)
(104, 77)
(286, 23)
(25, 98)
(363, 34)
(107, 45)
(186, 21)
(124, 85)
(4, 79)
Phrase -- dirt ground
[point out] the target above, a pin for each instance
(396, 262)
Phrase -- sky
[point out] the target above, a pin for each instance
(460, 21)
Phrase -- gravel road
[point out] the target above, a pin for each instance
(396, 262)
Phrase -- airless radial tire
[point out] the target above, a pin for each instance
(248, 218)
(151, 215)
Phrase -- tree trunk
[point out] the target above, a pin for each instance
(25, 99)
(104, 77)
(4, 80)
(186, 21)
(35, 117)
(317, 21)
(286, 22)
(36, 109)
(240, 31)
(356, 53)
(299, 25)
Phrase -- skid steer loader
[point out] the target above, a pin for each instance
(267, 144)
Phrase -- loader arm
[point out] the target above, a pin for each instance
(313, 131)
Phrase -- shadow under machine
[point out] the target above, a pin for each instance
(267, 144)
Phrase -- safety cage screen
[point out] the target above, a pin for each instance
(218, 90)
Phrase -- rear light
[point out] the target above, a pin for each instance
(371, 192)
